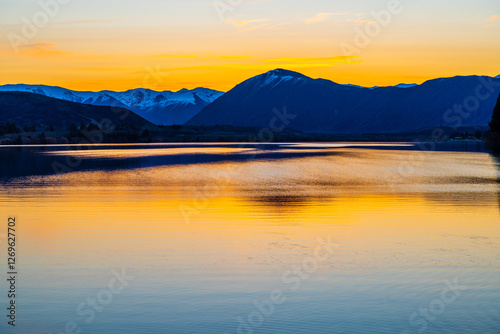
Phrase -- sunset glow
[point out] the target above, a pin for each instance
(117, 45)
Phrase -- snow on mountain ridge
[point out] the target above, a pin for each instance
(165, 107)
(274, 78)
(184, 95)
(323, 106)
(401, 85)
(278, 76)
(375, 87)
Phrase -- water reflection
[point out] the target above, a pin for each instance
(208, 239)
(52, 159)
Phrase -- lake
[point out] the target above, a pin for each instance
(275, 238)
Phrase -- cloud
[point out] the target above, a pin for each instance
(216, 57)
(257, 67)
(102, 69)
(39, 49)
(39, 52)
(333, 59)
(88, 21)
(279, 25)
(39, 45)
(243, 23)
(234, 57)
(258, 1)
(248, 25)
(308, 62)
(320, 17)
(256, 27)
(491, 21)
(339, 18)
(359, 20)
(216, 4)
(174, 56)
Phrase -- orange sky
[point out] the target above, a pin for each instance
(169, 45)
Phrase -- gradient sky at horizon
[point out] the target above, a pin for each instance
(174, 44)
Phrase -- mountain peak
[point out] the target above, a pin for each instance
(284, 73)
(322, 106)
(275, 77)
(280, 72)
(403, 85)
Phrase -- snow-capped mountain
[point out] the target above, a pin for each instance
(320, 105)
(375, 87)
(26, 108)
(274, 78)
(405, 85)
(157, 107)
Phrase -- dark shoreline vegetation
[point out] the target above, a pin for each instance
(11, 134)
(494, 133)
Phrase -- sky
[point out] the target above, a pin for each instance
(174, 44)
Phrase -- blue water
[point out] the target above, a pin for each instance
(227, 239)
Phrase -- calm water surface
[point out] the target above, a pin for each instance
(219, 238)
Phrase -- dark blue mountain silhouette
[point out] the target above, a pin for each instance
(324, 106)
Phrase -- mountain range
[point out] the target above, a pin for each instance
(165, 107)
(323, 106)
(26, 109)
(314, 105)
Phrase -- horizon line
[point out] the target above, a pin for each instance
(200, 87)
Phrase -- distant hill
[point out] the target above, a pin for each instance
(29, 108)
(323, 106)
(165, 108)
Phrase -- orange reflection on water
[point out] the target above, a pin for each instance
(262, 209)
